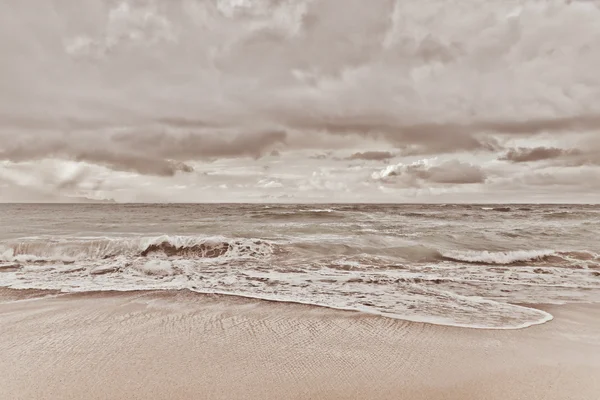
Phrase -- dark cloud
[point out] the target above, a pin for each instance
(541, 125)
(372, 156)
(412, 139)
(450, 137)
(455, 172)
(524, 154)
(116, 160)
(160, 151)
(192, 146)
(132, 163)
(147, 153)
(586, 152)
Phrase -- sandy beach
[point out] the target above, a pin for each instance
(182, 345)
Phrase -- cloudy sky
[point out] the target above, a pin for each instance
(300, 100)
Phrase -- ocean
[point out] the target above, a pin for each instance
(477, 266)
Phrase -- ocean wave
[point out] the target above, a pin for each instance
(499, 209)
(271, 214)
(79, 249)
(373, 251)
(560, 215)
(573, 259)
(467, 295)
(208, 247)
(9, 266)
(499, 258)
(417, 214)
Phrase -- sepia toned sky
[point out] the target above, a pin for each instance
(300, 100)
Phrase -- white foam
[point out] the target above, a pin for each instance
(104, 269)
(157, 268)
(435, 290)
(501, 258)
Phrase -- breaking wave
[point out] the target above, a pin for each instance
(499, 209)
(517, 256)
(72, 249)
(79, 249)
(499, 258)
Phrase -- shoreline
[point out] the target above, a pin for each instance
(33, 294)
(184, 345)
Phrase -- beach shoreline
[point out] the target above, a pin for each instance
(184, 345)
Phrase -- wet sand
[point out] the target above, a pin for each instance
(181, 345)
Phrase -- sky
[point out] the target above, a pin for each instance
(300, 101)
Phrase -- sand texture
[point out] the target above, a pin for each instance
(181, 345)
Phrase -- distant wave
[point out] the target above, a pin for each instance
(499, 209)
(275, 214)
(571, 214)
(500, 258)
(416, 214)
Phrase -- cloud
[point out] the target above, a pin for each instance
(190, 146)
(116, 160)
(320, 156)
(11, 191)
(565, 180)
(455, 172)
(323, 181)
(73, 180)
(448, 137)
(372, 156)
(524, 154)
(47, 181)
(586, 152)
(142, 152)
(121, 89)
(269, 184)
(132, 163)
(426, 171)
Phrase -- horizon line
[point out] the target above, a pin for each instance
(291, 203)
